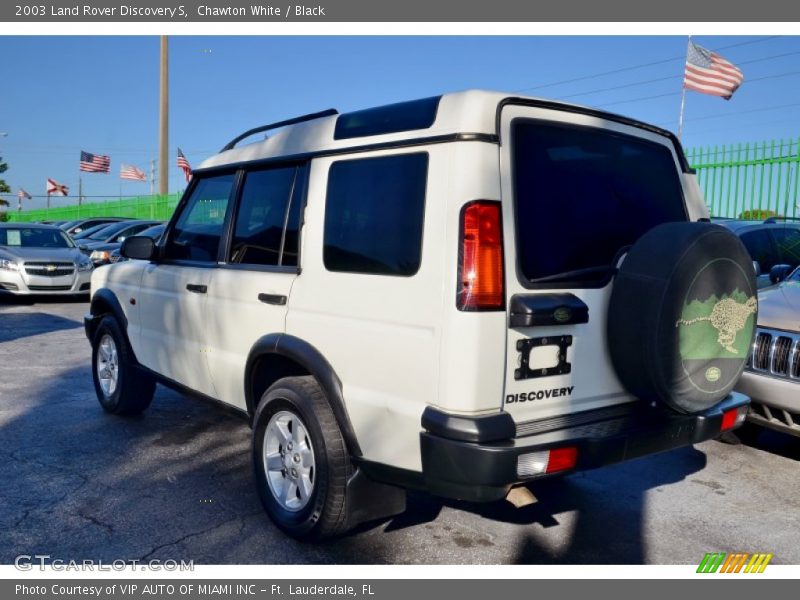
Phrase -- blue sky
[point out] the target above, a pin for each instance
(100, 94)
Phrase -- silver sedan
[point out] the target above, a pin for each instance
(41, 259)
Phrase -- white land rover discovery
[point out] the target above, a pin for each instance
(459, 294)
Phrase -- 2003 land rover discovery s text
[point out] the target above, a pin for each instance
(459, 294)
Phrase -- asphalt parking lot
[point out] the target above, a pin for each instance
(176, 484)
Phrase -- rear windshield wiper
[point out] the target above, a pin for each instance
(577, 274)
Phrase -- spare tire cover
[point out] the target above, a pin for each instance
(682, 315)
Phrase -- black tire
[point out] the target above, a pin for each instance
(682, 315)
(134, 389)
(324, 514)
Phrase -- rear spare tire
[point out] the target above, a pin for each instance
(682, 315)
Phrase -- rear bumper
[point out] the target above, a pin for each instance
(776, 401)
(482, 471)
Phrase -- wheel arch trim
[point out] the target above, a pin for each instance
(312, 360)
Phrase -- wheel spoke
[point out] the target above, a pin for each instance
(298, 432)
(307, 459)
(283, 433)
(289, 492)
(305, 486)
(274, 462)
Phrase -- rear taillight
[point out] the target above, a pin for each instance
(481, 278)
(545, 462)
(731, 418)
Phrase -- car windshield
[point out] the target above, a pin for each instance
(153, 232)
(90, 231)
(34, 237)
(795, 277)
(108, 231)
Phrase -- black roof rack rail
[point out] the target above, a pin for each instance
(309, 117)
(776, 219)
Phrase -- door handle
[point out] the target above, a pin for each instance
(276, 299)
(197, 289)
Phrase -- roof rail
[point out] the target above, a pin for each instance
(776, 219)
(309, 117)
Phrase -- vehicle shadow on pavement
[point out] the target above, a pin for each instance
(14, 326)
(176, 483)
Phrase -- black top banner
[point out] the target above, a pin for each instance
(496, 11)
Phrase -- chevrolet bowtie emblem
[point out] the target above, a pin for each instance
(50, 268)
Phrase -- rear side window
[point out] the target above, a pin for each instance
(374, 215)
(197, 232)
(583, 194)
(258, 236)
(788, 242)
(759, 246)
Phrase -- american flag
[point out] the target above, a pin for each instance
(95, 163)
(184, 165)
(23, 195)
(56, 189)
(131, 172)
(708, 73)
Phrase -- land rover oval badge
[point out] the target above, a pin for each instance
(562, 314)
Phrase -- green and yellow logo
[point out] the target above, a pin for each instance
(735, 562)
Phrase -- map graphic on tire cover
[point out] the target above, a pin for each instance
(715, 329)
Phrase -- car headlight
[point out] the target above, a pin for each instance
(85, 265)
(8, 265)
(99, 255)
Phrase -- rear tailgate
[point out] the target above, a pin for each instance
(576, 189)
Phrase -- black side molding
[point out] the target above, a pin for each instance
(538, 310)
(488, 428)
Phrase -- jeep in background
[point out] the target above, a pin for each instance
(772, 375)
(460, 294)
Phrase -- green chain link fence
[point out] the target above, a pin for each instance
(753, 180)
(157, 208)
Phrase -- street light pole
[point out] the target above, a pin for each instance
(163, 138)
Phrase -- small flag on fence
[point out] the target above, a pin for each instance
(56, 189)
(131, 172)
(95, 163)
(23, 195)
(184, 165)
(708, 73)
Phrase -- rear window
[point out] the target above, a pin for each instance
(582, 195)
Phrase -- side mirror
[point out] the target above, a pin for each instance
(757, 267)
(139, 247)
(779, 272)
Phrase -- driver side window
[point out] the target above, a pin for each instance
(197, 232)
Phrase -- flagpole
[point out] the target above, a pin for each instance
(683, 92)
(80, 190)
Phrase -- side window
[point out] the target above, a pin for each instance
(759, 246)
(258, 235)
(788, 242)
(197, 232)
(374, 215)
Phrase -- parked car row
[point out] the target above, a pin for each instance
(58, 257)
